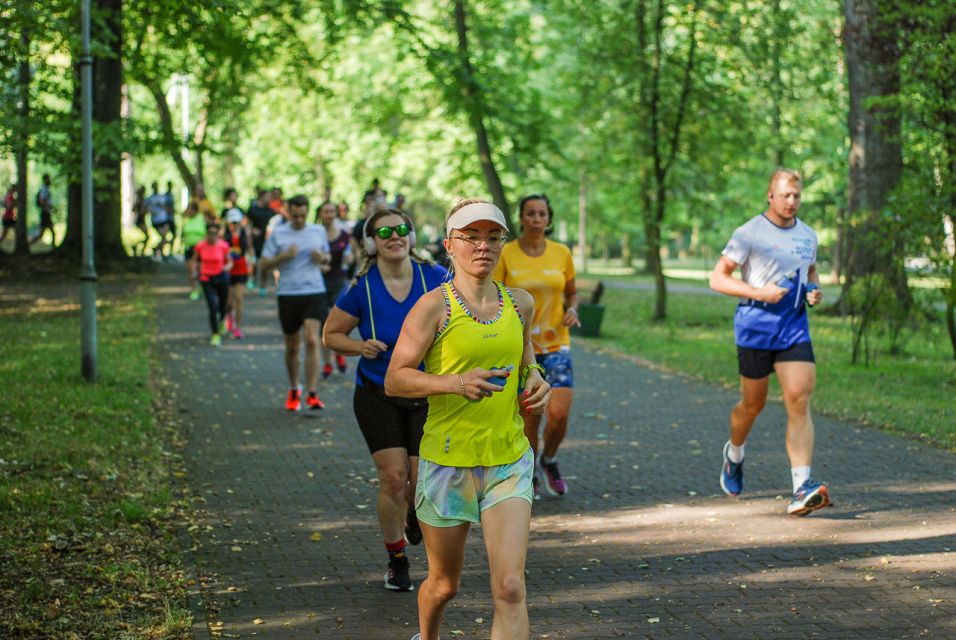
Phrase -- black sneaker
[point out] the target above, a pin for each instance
(397, 578)
(413, 532)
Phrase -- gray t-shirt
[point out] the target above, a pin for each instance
(156, 204)
(767, 252)
(299, 276)
(783, 255)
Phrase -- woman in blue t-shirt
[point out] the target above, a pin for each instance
(376, 301)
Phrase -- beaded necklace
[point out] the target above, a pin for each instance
(464, 307)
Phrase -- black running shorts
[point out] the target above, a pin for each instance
(758, 363)
(388, 422)
(294, 310)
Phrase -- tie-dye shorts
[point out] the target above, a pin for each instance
(450, 496)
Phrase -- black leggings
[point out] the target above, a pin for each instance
(216, 290)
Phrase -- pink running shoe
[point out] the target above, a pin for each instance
(237, 333)
(555, 483)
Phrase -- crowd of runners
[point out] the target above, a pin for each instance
(464, 382)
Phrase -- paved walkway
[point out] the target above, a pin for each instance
(644, 545)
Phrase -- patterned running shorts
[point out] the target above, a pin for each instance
(450, 496)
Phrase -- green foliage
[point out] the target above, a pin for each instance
(329, 94)
(874, 307)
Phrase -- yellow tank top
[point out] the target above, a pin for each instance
(464, 433)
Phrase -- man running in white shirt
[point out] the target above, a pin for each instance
(299, 250)
(776, 253)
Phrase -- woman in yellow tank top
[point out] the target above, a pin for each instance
(475, 462)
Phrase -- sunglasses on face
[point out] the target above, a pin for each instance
(384, 233)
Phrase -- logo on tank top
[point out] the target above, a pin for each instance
(490, 335)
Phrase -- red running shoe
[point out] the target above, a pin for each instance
(340, 362)
(326, 371)
(313, 402)
(294, 401)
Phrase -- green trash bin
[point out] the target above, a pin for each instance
(590, 316)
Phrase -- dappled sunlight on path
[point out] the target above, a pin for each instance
(643, 545)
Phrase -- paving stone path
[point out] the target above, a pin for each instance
(643, 546)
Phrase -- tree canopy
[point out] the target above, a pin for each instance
(662, 119)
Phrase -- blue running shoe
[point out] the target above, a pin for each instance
(809, 497)
(731, 475)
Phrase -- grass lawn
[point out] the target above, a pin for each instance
(910, 394)
(87, 546)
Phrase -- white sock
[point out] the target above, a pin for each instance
(799, 476)
(547, 460)
(735, 453)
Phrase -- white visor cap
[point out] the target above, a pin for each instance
(473, 213)
(234, 216)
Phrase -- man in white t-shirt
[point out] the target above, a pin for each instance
(299, 250)
(159, 218)
(776, 253)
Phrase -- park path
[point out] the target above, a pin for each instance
(643, 546)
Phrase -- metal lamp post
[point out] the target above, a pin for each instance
(87, 272)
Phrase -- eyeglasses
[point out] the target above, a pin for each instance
(384, 233)
(493, 242)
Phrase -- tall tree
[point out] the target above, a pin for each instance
(876, 158)
(474, 105)
(107, 100)
(22, 137)
(928, 102)
(662, 137)
(219, 49)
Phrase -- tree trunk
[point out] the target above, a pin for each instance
(583, 218)
(951, 306)
(876, 158)
(780, 33)
(107, 105)
(627, 255)
(72, 241)
(839, 247)
(663, 151)
(652, 241)
(473, 103)
(660, 285)
(199, 142)
(229, 167)
(22, 245)
(169, 140)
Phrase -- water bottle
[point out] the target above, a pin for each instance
(813, 286)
